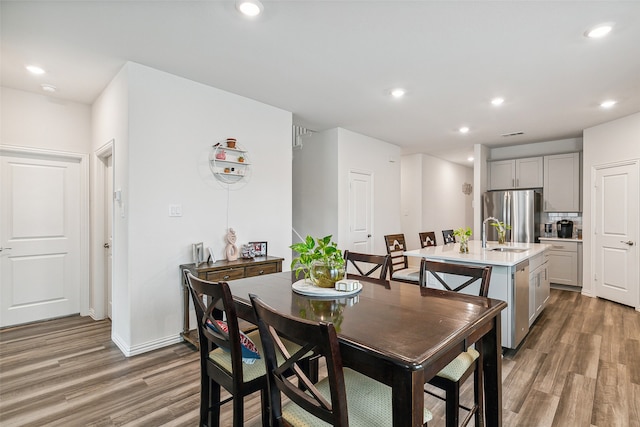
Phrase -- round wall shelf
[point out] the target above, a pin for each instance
(229, 165)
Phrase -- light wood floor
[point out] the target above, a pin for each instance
(579, 366)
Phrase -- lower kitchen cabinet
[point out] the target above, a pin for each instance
(539, 285)
(565, 261)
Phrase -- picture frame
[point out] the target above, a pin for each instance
(212, 257)
(197, 253)
(260, 248)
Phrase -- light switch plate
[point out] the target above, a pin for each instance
(175, 210)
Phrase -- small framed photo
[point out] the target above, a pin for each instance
(260, 248)
(212, 257)
(197, 253)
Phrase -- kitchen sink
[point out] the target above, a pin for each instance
(502, 249)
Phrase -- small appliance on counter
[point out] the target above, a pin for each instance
(565, 229)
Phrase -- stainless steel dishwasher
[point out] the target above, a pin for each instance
(521, 298)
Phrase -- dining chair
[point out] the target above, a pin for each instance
(427, 238)
(370, 267)
(228, 357)
(455, 278)
(399, 268)
(448, 236)
(343, 398)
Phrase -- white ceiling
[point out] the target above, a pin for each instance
(333, 63)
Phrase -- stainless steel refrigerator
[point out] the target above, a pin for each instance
(521, 209)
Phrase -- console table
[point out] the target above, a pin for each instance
(223, 271)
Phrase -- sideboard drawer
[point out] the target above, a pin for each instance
(258, 270)
(229, 274)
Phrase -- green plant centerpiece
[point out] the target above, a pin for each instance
(321, 261)
(463, 235)
(501, 228)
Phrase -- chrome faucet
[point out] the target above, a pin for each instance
(484, 229)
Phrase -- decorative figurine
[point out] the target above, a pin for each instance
(221, 155)
(232, 249)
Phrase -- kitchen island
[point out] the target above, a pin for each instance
(519, 277)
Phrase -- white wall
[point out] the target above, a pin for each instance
(315, 183)
(608, 143)
(38, 121)
(321, 184)
(172, 123)
(443, 204)
(361, 153)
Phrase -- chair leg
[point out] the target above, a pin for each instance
(266, 407)
(210, 404)
(478, 392)
(238, 410)
(452, 409)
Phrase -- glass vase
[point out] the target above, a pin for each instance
(502, 237)
(325, 275)
(464, 246)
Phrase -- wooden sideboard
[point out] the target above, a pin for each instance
(223, 271)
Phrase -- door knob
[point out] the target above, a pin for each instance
(106, 246)
(628, 242)
(368, 235)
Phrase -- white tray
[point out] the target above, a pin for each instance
(304, 287)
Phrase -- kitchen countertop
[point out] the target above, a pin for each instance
(558, 239)
(478, 254)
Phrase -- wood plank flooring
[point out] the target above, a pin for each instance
(579, 366)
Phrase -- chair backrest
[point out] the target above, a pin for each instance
(396, 246)
(213, 302)
(316, 337)
(452, 270)
(448, 237)
(367, 266)
(427, 238)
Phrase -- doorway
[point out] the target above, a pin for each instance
(102, 241)
(616, 232)
(360, 211)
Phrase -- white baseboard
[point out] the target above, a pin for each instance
(145, 347)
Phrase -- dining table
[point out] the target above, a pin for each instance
(400, 334)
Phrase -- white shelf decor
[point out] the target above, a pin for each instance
(229, 165)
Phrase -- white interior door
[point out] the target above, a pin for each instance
(40, 229)
(108, 203)
(360, 212)
(616, 233)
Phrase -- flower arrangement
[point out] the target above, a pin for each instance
(320, 259)
(463, 235)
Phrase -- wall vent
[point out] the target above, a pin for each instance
(513, 133)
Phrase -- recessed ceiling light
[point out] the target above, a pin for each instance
(470, 159)
(608, 104)
(464, 129)
(34, 69)
(497, 101)
(599, 31)
(398, 93)
(48, 88)
(249, 7)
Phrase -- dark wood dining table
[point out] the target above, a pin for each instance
(400, 335)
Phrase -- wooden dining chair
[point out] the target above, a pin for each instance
(228, 357)
(373, 268)
(456, 278)
(344, 397)
(399, 268)
(427, 238)
(448, 236)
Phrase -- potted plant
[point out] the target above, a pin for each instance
(321, 261)
(463, 237)
(241, 159)
(502, 228)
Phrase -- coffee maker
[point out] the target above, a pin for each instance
(565, 229)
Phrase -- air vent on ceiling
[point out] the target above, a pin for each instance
(513, 133)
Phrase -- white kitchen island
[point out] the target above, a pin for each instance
(519, 277)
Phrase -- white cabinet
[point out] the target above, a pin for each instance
(539, 285)
(562, 183)
(517, 173)
(564, 264)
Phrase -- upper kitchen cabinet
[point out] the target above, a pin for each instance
(562, 183)
(516, 173)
